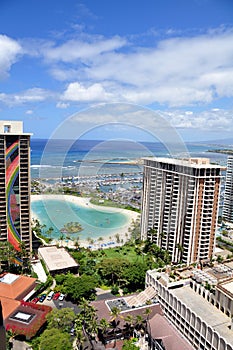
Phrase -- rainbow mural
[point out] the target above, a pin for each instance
(13, 209)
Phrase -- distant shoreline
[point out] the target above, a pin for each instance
(80, 201)
(223, 151)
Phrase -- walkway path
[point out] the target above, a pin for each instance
(39, 270)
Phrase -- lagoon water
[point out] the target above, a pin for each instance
(95, 223)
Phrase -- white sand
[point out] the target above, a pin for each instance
(80, 201)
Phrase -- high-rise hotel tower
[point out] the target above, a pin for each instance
(180, 206)
(15, 224)
(228, 194)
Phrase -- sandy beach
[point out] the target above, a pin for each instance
(81, 201)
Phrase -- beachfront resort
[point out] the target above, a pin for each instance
(75, 274)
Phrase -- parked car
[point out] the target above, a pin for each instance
(42, 298)
(56, 296)
(61, 297)
(50, 295)
(35, 300)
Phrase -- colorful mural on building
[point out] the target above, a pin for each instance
(12, 191)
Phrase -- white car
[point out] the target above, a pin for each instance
(61, 297)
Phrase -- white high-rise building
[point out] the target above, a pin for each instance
(228, 195)
(180, 206)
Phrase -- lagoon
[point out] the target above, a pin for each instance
(57, 210)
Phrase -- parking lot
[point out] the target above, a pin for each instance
(59, 303)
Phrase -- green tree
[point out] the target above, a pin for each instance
(88, 319)
(49, 232)
(62, 319)
(147, 313)
(130, 345)
(103, 325)
(79, 287)
(115, 312)
(134, 274)
(129, 319)
(79, 338)
(111, 269)
(54, 339)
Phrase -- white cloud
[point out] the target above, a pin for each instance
(74, 50)
(77, 92)
(9, 52)
(178, 72)
(29, 111)
(208, 120)
(24, 97)
(62, 105)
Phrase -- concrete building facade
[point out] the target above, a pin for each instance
(201, 323)
(228, 194)
(15, 226)
(180, 206)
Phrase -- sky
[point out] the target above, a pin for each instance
(60, 59)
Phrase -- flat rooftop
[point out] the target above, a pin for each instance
(228, 286)
(57, 258)
(12, 127)
(206, 311)
(189, 162)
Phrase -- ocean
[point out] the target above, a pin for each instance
(87, 159)
(90, 157)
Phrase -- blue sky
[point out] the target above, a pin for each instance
(61, 58)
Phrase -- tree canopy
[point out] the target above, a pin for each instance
(54, 339)
(77, 288)
(62, 319)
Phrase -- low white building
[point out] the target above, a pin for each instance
(57, 260)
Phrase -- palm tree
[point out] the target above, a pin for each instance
(103, 326)
(49, 232)
(117, 236)
(139, 322)
(147, 314)
(100, 239)
(115, 311)
(79, 339)
(89, 320)
(180, 250)
(129, 319)
(76, 242)
(162, 236)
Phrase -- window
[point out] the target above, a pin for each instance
(7, 128)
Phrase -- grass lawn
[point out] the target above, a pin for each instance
(124, 252)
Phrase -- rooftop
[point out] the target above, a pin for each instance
(12, 127)
(57, 258)
(104, 311)
(15, 286)
(190, 162)
(160, 328)
(207, 312)
(228, 286)
(171, 338)
(8, 306)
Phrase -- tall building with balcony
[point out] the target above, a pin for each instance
(228, 194)
(180, 206)
(15, 224)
